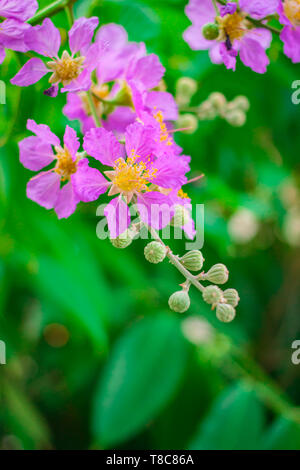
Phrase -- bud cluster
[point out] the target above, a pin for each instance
(216, 105)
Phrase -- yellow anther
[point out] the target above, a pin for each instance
(232, 26)
(292, 11)
(65, 69)
(65, 166)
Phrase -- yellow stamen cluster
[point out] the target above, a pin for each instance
(292, 11)
(232, 26)
(65, 69)
(182, 194)
(65, 166)
(164, 135)
(131, 176)
(99, 92)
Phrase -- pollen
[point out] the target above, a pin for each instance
(65, 165)
(182, 194)
(164, 135)
(65, 69)
(292, 11)
(232, 26)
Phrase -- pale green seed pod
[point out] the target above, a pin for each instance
(179, 301)
(193, 260)
(241, 102)
(218, 274)
(188, 122)
(155, 252)
(210, 31)
(236, 117)
(231, 296)
(181, 216)
(225, 313)
(212, 295)
(186, 86)
(123, 240)
(218, 100)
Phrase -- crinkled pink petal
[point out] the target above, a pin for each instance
(88, 182)
(228, 57)
(81, 34)
(43, 132)
(291, 40)
(282, 18)
(12, 35)
(119, 120)
(262, 36)
(253, 55)
(35, 153)
(17, 9)
(44, 39)
(228, 9)
(164, 102)
(195, 39)
(74, 110)
(200, 12)
(148, 71)
(140, 140)
(81, 83)
(30, 73)
(215, 54)
(71, 141)
(44, 189)
(155, 209)
(66, 201)
(113, 35)
(259, 9)
(2, 54)
(103, 146)
(118, 216)
(171, 171)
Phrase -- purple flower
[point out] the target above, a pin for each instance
(13, 28)
(72, 70)
(138, 173)
(289, 16)
(236, 32)
(52, 188)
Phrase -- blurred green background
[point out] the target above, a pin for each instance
(95, 359)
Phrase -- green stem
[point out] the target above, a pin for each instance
(216, 7)
(70, 15)
(50, 10)
(93, 109)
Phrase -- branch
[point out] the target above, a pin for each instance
(50, 10)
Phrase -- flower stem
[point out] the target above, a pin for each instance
(216, 7)
(93, 109)
(70, 14)
(50, 10)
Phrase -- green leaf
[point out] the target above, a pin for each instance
(282, 435)
(141, 376)
(234, 423)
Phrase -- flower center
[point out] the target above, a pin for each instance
(130, 176)
(100, 91)
(232, 26)
(65, 69)
(292, 11)
(65, 166)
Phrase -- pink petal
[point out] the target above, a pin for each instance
(66, 201)
(12, 35)
(2, 54)
(259, 9)
(81, 34)
(44, 39)
(71, 141)
(164, 102)
(30, 73)
(291, 41)
(171, 171)
(103, 146)
(155, 209)
(81, 83)
(18, 10)
(35, 154)
(140, 140)
(44, 189)
(118, 216)
(253, 55)
(43, 132)
(88, 182)
(195, 39)
(200, 12)
(148, 71)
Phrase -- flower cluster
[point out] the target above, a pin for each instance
(228, 29)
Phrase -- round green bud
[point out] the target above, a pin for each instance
(210, 31)
(179, 301)
(225, 313)
(207, 111)
(231, 296)
(188, 122)
(218, 274)
(186, 86)
(236, 117)
(241, 102)
(181, 216)
(123, 240)
(218, 100)
(212, 295)
(155, 252)
(193, 260)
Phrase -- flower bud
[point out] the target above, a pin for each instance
(181, 216)
(207, 111)
(218, 100)
(241, 102)
(212, 295)
(193, 260)
(179, 301)
(231, 296)
(186, 86)
(210, 31)
(218, 274)
(225, 313)
(123, 240)
(188, 122)
(236, 118)
(155, 252)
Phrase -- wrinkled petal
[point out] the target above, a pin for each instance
(228, 57)
(81, 34)
(228, 9)
(139, 140)
(118, 216)
(12, 35)
(253, 55)
(44, 189)
(195, 39)
(102, 145)
(81, 83)
(44, 39)
(171, 171)
(155, 209)
(200, 12)
(18, 10)
(35, 154)
(71, 141)
(30, 73)
(259, 9)
(66, 201)
(291, 40)
(43, 132)
(2, 54)
(88, 182)
(148, 71)
(164, 102)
